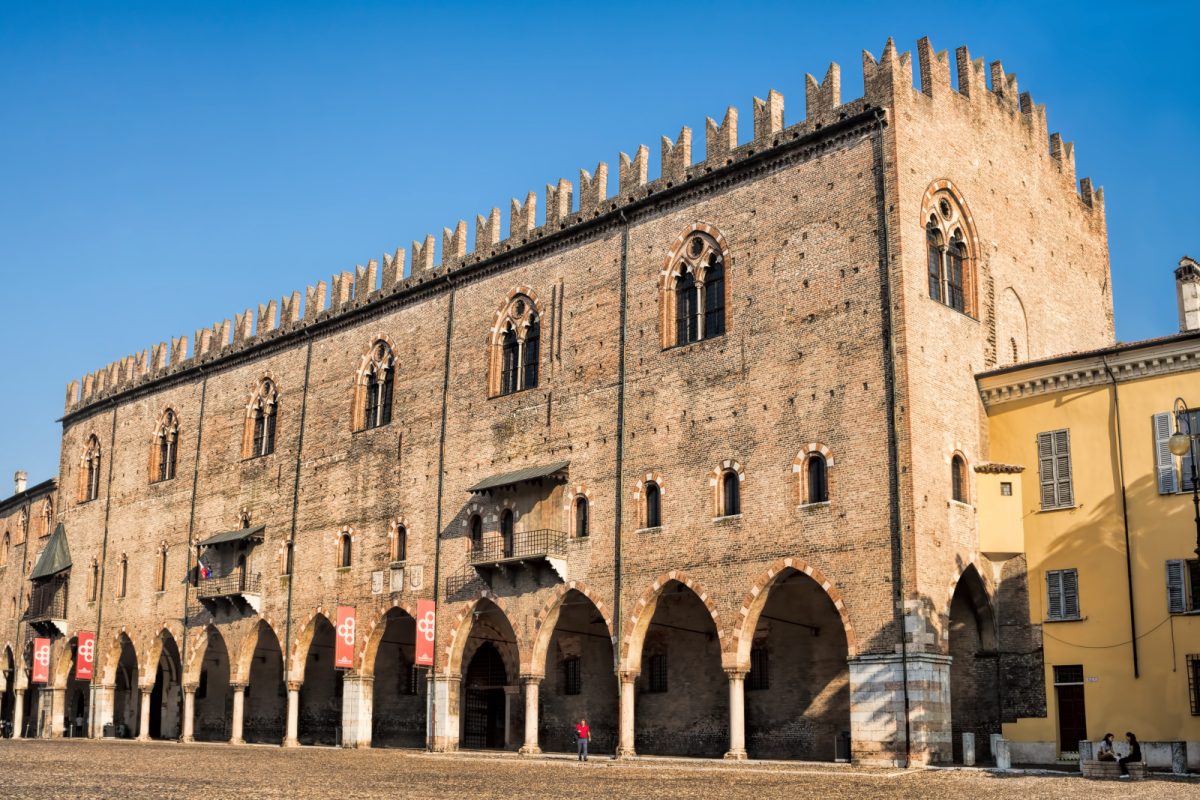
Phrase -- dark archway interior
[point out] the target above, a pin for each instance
(580, 682)
(398, 708)
(484, 696)
(166, 698)
(682, 693)
(321, 692)
(265, 709)
(213, 699)
(75, 706)
(974, 687)
(125, 693)
(798, 688)
(9, 682)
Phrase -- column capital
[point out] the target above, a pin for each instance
(628, 675)
(238, 686)
(190, 688)
(146, 689)
(368, 680)
(294, 686)
(531, 677)
(735, 673)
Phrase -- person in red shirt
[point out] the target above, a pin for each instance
(582, 734)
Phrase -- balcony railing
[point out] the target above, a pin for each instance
(520, 546)
(47, 602)
(233, 585)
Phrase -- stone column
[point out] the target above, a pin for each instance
(102, 713)
(291, 739)
(18, 713)
(357, 707)
(737, 714)
(239, 713)
(444, 700)
(532, 684)
(625, 734)
(509, 693)
(144, 721)
(189, 714)
(58, 711)
(877, 712)
(968, 749)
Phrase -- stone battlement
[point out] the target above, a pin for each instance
(885, 79)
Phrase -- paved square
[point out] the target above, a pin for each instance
(89, 769)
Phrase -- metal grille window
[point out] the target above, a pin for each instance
(1183, 585)
(1062, 594)
(1193, 668)
(1054, 469)
(1068, 674)
(572, 676)
(687, 323)
(714, 299)
(933, 244)
(658, 673)
(759, 678)
(532, 351)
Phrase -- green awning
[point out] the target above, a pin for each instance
(520, 476)
(234, 536)
(55, 558)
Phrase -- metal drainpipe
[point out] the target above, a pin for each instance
(1133, 638)
(112, 443)
(889, 365)
(620, 449)
(287, 636)
(191, 529)
(431, 713)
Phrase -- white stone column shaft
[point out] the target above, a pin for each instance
(239, 714)
(737, 715)
(144, 720)
(625, 739)
(532, 684)
(357, 707)
(291, 738)
(189, 714)
(18, 714)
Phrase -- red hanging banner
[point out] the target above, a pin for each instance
(85, 655)
(41, 661)
(343, 654)
(426, 632)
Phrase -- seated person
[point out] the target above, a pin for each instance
(1104, 751)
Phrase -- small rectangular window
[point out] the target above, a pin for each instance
(1193, 671)
(1183, 585)
(1068, 674)
(572, 677)
(1062, 594)
(1006, 489)
(759, 678)
(1054, 469)
(657, 681)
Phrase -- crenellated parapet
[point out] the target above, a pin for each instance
(886, 80)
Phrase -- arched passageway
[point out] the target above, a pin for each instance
(579, 682)
(798, 688)
(75, 695)
(8, 682)
(213, 699)
(974, 686)
(321, 692)
(266, 693)
(166, 698)
(491, 711)
(398, 707)
(125, 692)
(682, 695)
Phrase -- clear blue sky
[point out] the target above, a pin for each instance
(165, 165)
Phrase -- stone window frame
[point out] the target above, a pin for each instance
(682, 258)
(398, 540)
(89, 473)
(946, 221)
(286, 549)
(960, 478)
(522, 313)
(123, 576)
(379, 359)
(343, 558)
(47, 516)
(800, 467)
(716, 482)
(639, 498)
(164, 447)
(571, 510)
(160, 567)
(264, 401)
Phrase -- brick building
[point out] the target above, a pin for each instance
(694, 459)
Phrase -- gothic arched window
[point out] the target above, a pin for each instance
(817, 482)
(345, 551)
(948, 247)
(400, 543)
(695, 291)
(376, 380)
(958, 478)
(476, 532)
(516, 347)
(653, 514)
(731, 501)
(261, 417)
(581, 517)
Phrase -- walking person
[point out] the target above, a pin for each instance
(1134, 756)
(582, 734)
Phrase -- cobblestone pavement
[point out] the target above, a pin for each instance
(86, 769)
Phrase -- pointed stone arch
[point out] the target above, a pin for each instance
(982, 595)
(63, 663)
(373, 636)
(153, 647)
(643, 612)
(112, 657)
(239, 671)
(299, 654)
(461, 627)
(742, 634)
(534, 660)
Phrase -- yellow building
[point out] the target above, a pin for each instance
(1103, 514)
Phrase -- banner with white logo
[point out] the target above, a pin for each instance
(41, 661)
(343, 654)
(426, 633)
(85, 655)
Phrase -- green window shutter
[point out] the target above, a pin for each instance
(1176, 598)
(1168, 480)
(1070, 587)
(1045, 447)
(1065, 496)
(1054, 595)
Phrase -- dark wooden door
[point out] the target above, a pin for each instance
(1072, 720)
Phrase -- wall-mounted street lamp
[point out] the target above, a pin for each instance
(1183, 443)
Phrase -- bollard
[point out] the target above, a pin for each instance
(1003, 758)
(968, 749)
(993, 740)
(1179, 758)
